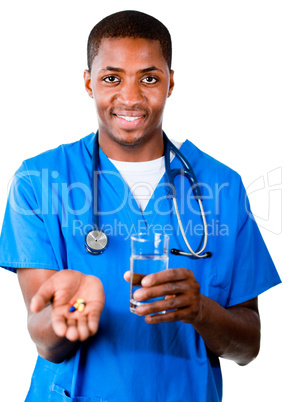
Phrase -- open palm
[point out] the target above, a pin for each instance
(58, 291)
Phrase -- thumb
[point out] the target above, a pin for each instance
(127, 276)
(136, 280)
(43, 296)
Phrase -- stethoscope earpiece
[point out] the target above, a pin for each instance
(175, 251)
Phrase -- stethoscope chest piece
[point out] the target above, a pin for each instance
(96, 241)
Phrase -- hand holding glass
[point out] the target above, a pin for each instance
(149, 255)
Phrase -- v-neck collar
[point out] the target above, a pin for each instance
(149, 215)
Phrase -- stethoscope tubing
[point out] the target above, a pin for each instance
(96, 241)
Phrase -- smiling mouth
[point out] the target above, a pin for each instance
(129, 118)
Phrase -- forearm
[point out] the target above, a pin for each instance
(49, 346)
(232, 333)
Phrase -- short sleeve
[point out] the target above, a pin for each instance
(24, 241)
(253, 269)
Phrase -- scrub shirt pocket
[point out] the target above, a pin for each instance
(214, 282)
(218, 287)
(59, 394)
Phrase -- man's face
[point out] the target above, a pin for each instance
(130, 82)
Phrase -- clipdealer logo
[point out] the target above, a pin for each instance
(265, 194)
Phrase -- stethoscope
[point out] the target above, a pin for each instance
(96, 240)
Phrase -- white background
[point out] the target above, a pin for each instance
(230, 99)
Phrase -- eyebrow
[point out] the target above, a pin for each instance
(148, 69)
(121, 70)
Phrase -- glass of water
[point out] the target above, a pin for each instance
(149, 255)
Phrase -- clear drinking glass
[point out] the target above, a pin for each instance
(149, 254)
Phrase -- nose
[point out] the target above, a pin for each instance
(130, 94)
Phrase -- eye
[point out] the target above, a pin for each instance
(111, 79)
(150, 80)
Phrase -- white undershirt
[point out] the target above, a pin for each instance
(143, 177)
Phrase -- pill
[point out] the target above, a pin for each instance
(80, 301)
(81, 307)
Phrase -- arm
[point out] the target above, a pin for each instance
(232, 333)
(55, 331)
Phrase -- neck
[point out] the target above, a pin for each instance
(136, 150)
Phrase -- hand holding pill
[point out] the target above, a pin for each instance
(62, 291)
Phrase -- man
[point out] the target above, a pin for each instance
(105, 353)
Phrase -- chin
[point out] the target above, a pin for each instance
(129, 138)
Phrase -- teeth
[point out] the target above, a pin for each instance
(129, 118)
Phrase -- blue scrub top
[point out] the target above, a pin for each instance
(48, 214)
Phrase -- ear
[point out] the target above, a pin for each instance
(171, 85)
(87, 81)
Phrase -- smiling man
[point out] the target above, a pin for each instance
(103, 352)
(130, 81)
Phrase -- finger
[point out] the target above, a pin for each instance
(170, 316)
(136, 279)
(59, 324)
(170, 288)
(72, 333)
(165, 304)
(82, 325)
(43, 296)
(168, 275)
(188, 315)
(94, 318)
(127, 276)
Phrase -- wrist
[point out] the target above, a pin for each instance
(204, 313)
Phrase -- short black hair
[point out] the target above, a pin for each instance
(129, 24)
